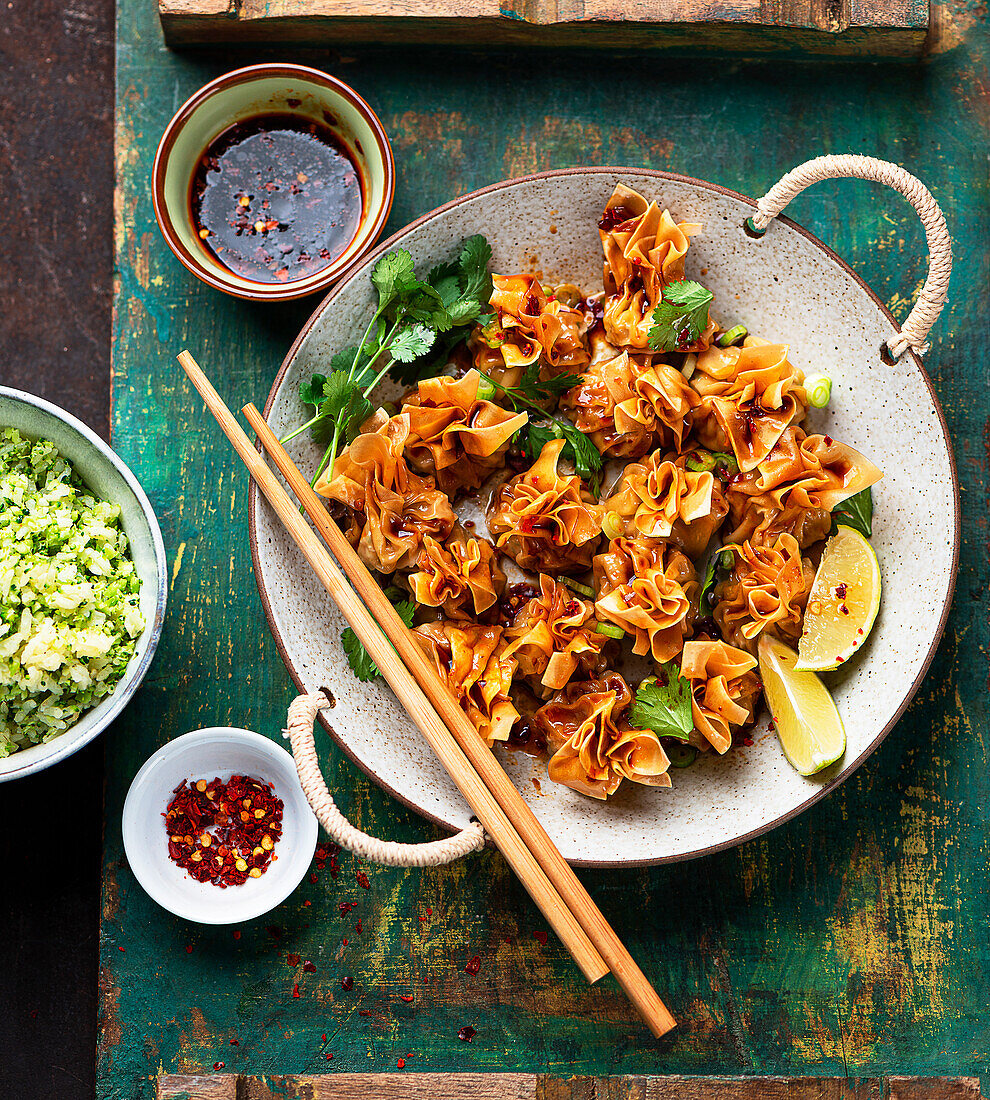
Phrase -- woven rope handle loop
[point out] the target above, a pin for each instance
(302, 714)
(932, 297)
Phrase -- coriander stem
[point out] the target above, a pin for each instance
(299, 431)
(380, 374)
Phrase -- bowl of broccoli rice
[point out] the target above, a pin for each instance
(82, 584)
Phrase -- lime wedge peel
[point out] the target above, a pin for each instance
(808, 725)
(843, 602)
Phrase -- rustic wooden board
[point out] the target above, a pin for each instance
(531, 1086)
(864, 28)
(851, 941)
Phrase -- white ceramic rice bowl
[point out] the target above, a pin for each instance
(786, 286)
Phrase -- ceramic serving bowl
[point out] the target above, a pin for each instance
(784, 285)
(247, 93)
(109, 479)
(220, 751)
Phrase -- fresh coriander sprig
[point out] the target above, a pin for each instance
(411, 315)
(527, 393)
(360, 660)
(663, 704)
(680, 317)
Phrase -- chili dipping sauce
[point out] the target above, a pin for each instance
(276, 198)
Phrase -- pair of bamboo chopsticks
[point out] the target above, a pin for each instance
(495, 801)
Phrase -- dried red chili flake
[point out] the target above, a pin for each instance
(292, 959)
(346, 906)
(310, 968)
(401, 1063)
(423, 919)
(362, 880)
(429, 911)
(407, 997)
(218, 1065)
(747, 741)
(474, 966)
(364, 1012)
(235, 1043)
(295, 991)
(329, 1056)
(347, 983)
(245, 817)
(237, 934)
(323, 1037)
(307, 903)
(119, 948)
(313, 878)
(358, 927)
(345, 941)
(334, 867)
(188, 948)
(541, 937)
(466, 1034)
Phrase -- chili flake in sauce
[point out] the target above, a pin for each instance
(224, 833)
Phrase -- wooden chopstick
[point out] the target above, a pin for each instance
(440, 739)
(620, 962)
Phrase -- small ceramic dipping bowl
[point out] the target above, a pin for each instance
(220, 751)
(257, 90)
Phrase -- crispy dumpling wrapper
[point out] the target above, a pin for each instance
(529, 326)
(724, 689)
(471, 660)
(653, 495)
(552, 635)
(802, 474)
(629, 405)
(647, 588)
(594, 748)
(462, 578)
(454, 436)
(399, 507)
(544, 520)
(767, 589)
(749, 395)
(644, 251)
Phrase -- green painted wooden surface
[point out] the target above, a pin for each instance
(852, 940)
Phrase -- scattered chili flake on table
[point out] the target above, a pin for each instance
(466, 1034)
(362, 880)
(292, 959)
(245, 816)
(474, 966)
(401, 1063)
(309, 967)
(407, 997)
(347, 984)
(218, 1065)
(541, 937)
(295, 991)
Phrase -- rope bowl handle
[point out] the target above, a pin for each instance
(932, 297)
(302, 714)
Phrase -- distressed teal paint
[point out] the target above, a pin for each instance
(854, 939)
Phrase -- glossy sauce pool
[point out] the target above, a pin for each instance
(276, 198)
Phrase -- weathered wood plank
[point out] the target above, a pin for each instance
(894, 28)
(525, 1086)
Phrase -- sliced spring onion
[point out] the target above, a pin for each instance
(486, 390)
(690, 363)
(819, 387)
(680, 756)
(735, 335)
(613, 525)
(577, 586)
(610, 631)
(700, 462)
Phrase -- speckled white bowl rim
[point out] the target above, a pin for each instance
(195, 755)
(95, 721)
(817, 787)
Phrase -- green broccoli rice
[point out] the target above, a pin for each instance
(69, 613)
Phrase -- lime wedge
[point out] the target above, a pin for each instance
(843, 602)
(808, 725)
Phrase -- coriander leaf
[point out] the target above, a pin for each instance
(412, 342)
(311, 392)
(464, 310)
(664, 704)
(720, 559)
(680, 316)
(856, 512)
(580, 449)
(358, 412)
(444, 278)
(358, 358)
(537, 389)
(363, 667)
(337, 394)
(393, 272)
(476, 255)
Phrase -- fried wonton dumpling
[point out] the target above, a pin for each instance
(552, 635)
(767, 589)
(628, 405)
(462, 578)
(529, 325)
(399, 508)
(644, 251)
(454, 436)
(594, 748)
(802, 474)
(648, 589)
(471, 660)
(655, 494)
(724, 689)
(544, 520)
(749, 395)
